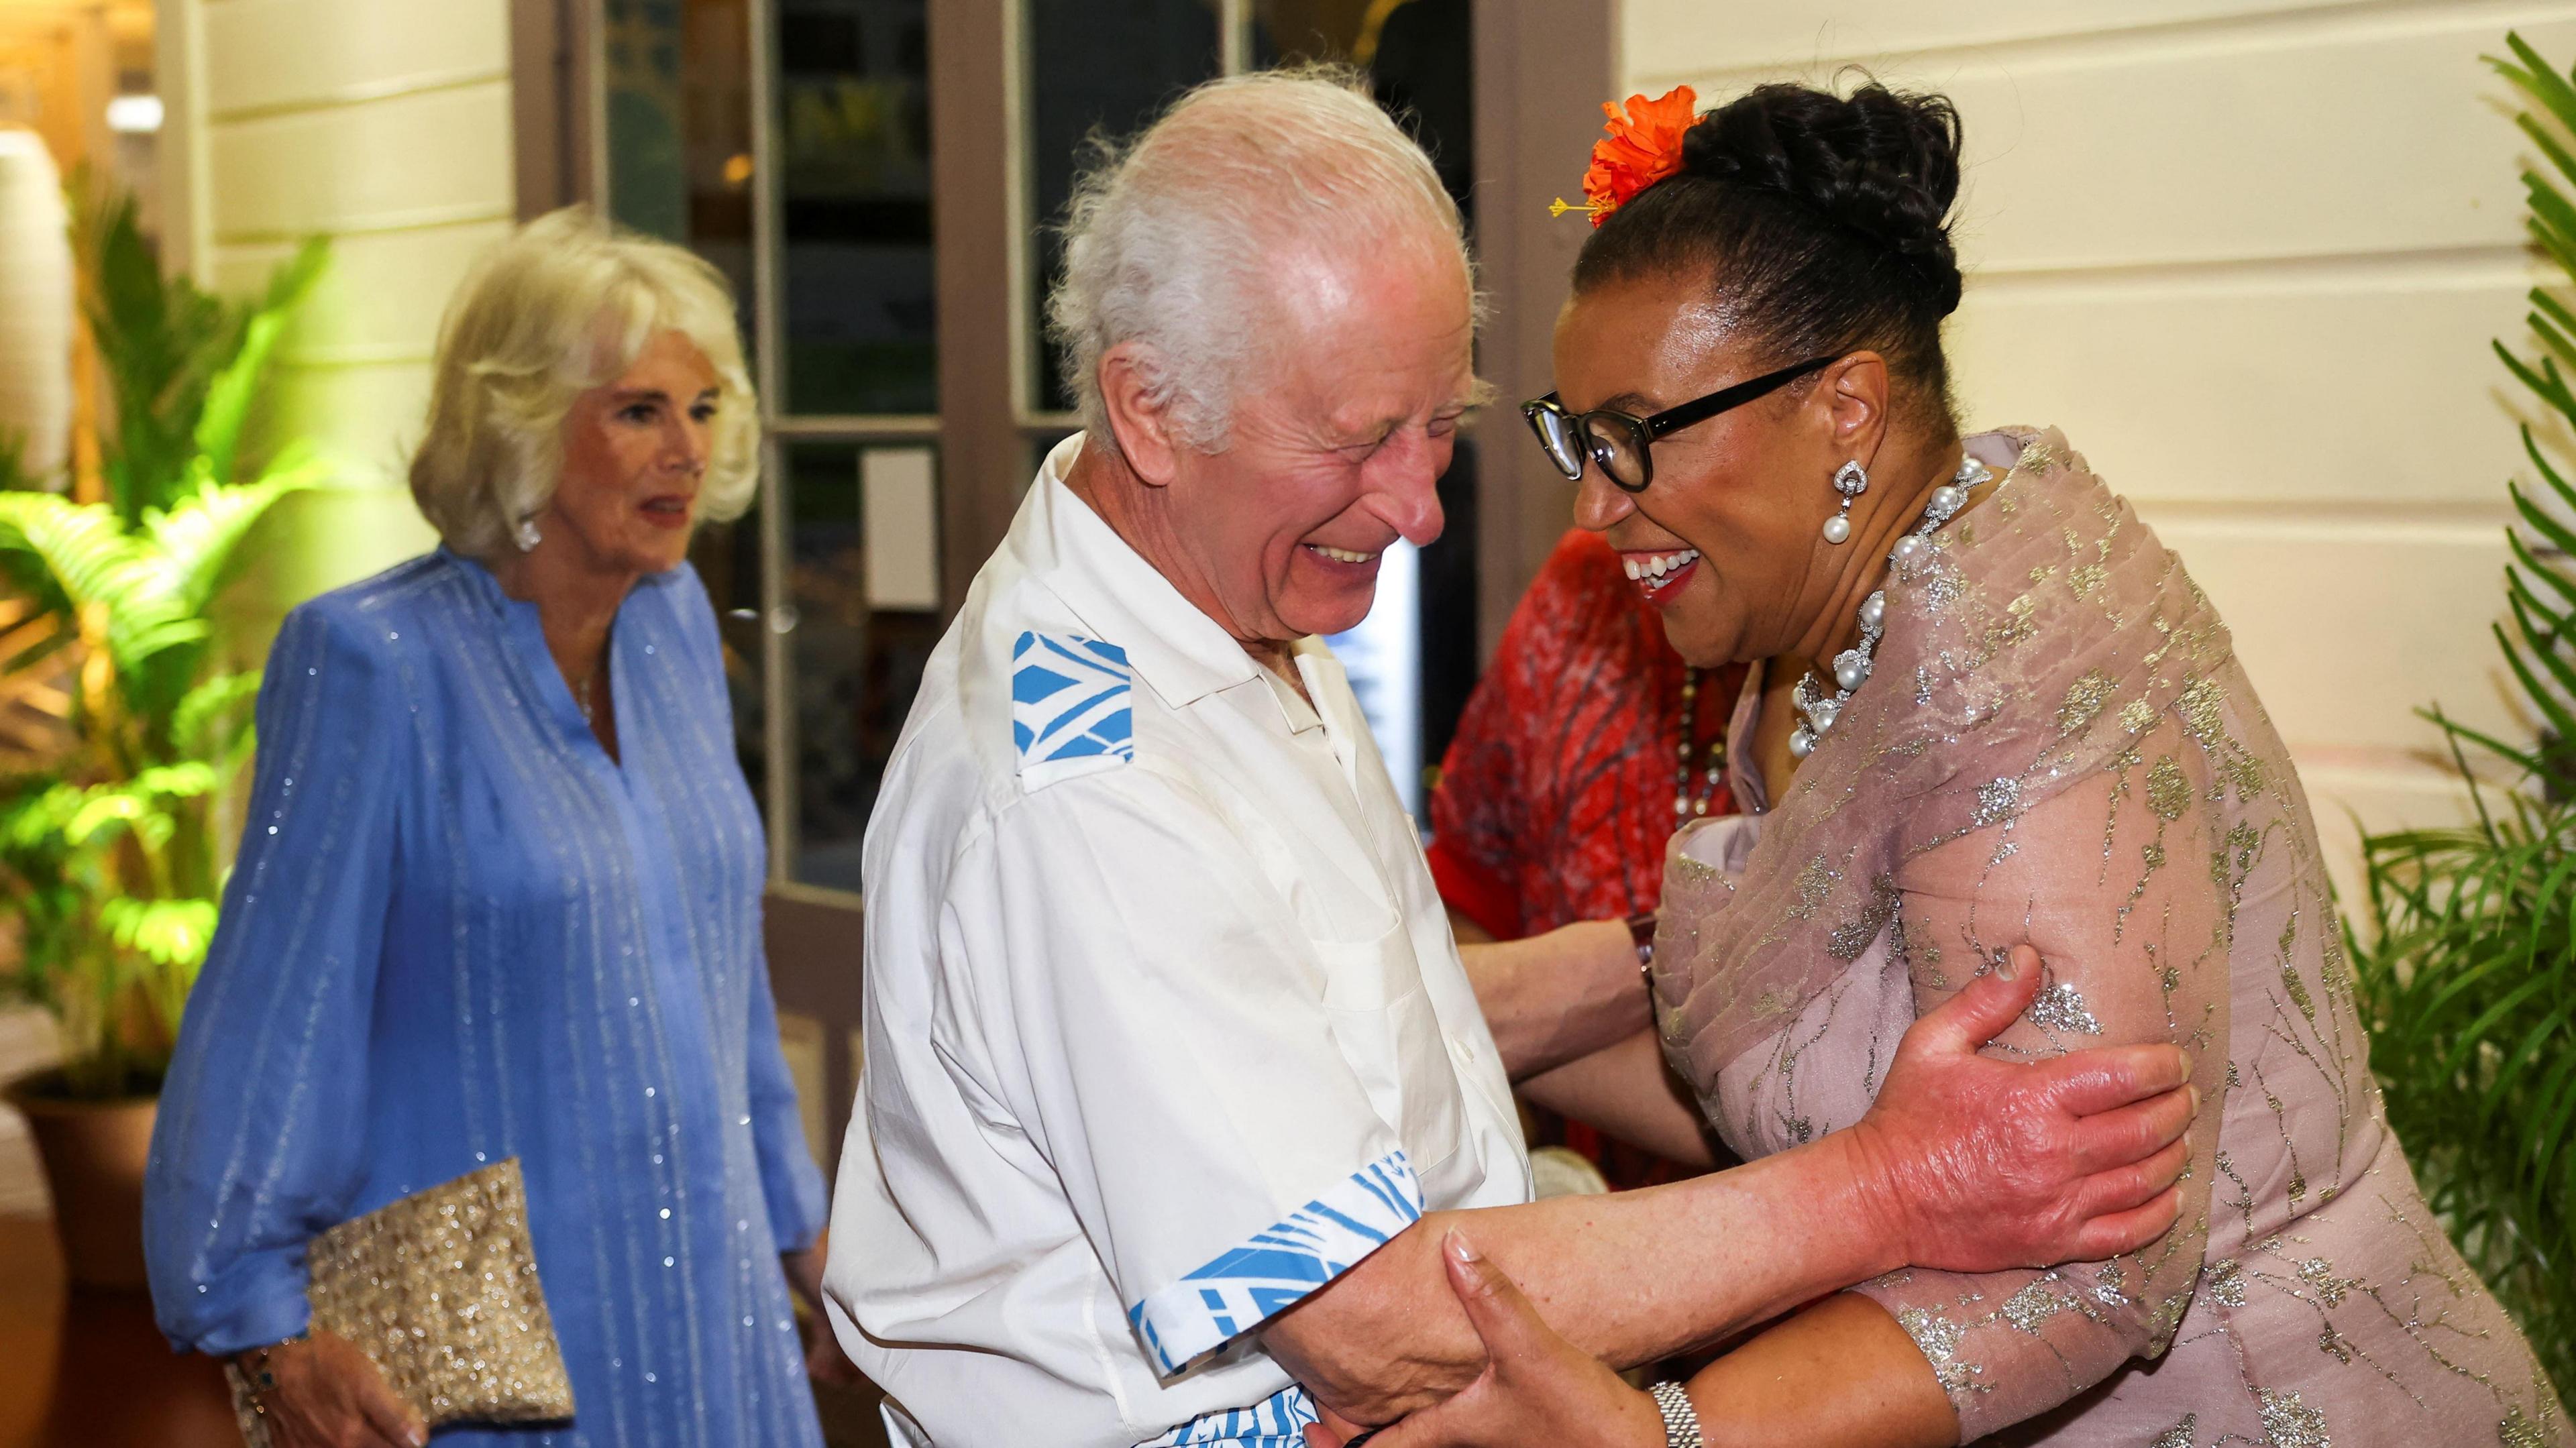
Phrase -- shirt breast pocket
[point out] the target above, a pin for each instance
(1387, 1031)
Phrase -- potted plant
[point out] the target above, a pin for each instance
(110, 846)
(2464, 956)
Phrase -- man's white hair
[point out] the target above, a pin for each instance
(1168, 238)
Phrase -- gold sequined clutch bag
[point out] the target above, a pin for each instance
(440, 1289)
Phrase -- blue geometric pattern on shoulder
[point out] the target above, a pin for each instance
(1271, 1269)
(1070, 706)
(1278, 1421)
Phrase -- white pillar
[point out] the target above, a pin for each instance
(386, 125)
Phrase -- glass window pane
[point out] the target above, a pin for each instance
(727, 557)
(854, 146)
(1450, 654)
(678, 80)
(1095, 66)
(863, 541)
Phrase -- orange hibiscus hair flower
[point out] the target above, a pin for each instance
(1643, 147)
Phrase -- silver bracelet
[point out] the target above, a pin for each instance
(1681, 1420)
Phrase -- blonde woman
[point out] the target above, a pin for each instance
(500, 895)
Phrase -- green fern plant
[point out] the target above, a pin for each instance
(108, 852)
(2465, 960)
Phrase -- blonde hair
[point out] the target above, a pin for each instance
(1169, 239)
(566, 304)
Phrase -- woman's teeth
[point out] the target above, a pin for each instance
(1643, 566)
(1342, 555)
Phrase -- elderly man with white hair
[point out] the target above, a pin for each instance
(1174, 1074)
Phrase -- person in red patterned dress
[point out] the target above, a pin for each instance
(1584, 745)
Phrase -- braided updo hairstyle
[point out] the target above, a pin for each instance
(1820, 221)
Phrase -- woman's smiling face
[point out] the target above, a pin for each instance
(1734, 515)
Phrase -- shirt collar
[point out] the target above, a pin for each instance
(1180, 652)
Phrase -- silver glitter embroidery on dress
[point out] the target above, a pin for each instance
(2061, 1008)
(1938, 1338)
(2226, 1282)
(2031, 1308)
(2318, 1273)
(2111, 1285)
(2084, 700)
(2517, 1431)
(2179, 1435)
(1997, 800)
(2290, 1423)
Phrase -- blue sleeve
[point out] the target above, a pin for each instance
(261, 1138)
(789, 1180)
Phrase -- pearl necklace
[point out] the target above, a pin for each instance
(1684, 806)
(1851, 666)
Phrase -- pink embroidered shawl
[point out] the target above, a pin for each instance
(2057, 745)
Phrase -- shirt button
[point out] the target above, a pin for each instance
(1462, 1048)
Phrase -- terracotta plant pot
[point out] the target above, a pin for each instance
(94, 1153)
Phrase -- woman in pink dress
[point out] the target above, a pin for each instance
(1994, 710)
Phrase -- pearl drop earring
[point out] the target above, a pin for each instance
(526, 535)
(1851, 480)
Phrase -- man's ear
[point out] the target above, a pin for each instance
(1854, 399)
(1140, 420)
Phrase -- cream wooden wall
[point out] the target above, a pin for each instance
(386, 125)
(2248, 253)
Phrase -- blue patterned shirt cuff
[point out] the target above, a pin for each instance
(1274, 1268)
(1278, 1421)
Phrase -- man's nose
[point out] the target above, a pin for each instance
(1407, 492)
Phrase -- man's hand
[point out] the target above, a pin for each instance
(1985, 1164)
(330, 1395)
(1536, 1387)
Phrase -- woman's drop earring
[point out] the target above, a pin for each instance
(1851, 480)
(526, 534)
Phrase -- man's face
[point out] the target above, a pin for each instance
(1336, 443)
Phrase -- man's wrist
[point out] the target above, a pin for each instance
(1853, 1181)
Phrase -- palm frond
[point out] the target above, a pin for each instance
(107, 852)
(2464, 946)
(230, 394)
(168, 932)
(192, 545)
(157, 338)
(210, 720)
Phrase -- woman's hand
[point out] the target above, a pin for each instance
(1988, 1164)
(330, 1395)
(1536, 1387)
(824, 1360)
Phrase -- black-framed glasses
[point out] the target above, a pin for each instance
(1621, 444)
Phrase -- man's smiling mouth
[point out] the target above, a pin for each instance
(1342, 555)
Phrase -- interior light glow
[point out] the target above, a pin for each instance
(134, 115)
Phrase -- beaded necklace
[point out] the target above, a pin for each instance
(1684, 806)
(1851, 666)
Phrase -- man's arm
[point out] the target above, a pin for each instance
(1965, 1162)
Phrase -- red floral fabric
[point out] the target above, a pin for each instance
(1556, 796)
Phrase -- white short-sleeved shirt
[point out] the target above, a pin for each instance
(1165, 1026)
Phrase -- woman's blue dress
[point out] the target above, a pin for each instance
(458, 932)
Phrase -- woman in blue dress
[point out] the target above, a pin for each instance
(499, 895)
